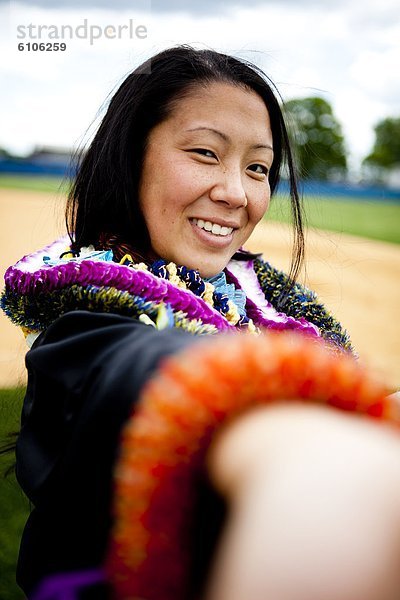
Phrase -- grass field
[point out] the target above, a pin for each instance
(367, 218)
(36, 183)
(14, 506)
(376, 220)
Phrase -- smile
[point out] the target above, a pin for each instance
(212, 227)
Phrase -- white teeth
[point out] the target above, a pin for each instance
(225, 230)
(213, 227)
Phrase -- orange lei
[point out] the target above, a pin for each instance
(165, 442)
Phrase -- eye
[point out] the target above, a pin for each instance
(203, 152)
(258, 169)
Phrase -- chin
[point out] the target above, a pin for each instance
(208, 271)
(206, 268)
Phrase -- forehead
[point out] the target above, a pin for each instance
(234, 110)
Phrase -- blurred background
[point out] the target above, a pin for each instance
(336, 66)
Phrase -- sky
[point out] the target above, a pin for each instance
(346, 51)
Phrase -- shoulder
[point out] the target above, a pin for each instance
(94, 365)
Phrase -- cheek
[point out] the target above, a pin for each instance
(174, 189)
(259, 206)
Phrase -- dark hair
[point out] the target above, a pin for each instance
(104, 197)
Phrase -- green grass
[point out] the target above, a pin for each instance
(14, 506)
(367, 218)
(35, 183)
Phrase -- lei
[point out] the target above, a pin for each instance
(193, 395)
(47, 284)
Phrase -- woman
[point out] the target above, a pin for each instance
(180, 172)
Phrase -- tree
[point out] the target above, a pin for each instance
(386, 150)
(4, 153)
(317, 138)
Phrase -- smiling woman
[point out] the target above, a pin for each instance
(216, 151)
(127, 449)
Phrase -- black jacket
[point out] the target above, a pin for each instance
(85, 373)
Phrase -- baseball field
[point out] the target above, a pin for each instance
(356, 276)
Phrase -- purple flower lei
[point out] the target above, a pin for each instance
(30, 277)
(26, 279)
(275, 320)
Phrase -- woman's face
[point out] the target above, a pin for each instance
(204, 184)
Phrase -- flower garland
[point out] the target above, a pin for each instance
(164, 443)
(39, 289)
(190, 279)
(43, 286)
(258, 308)
(300, 302)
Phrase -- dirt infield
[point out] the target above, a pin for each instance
(358, 279)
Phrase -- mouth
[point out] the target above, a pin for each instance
(213, 228)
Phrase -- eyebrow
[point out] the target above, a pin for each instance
(226, 138)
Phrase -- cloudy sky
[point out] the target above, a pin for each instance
(346, 51)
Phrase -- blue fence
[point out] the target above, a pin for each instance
(346, 190)
(21, 166)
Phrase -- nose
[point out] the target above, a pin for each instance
(229, 189)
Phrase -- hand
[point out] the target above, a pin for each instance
(314, 498)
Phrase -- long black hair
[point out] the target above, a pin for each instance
(103, 201)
